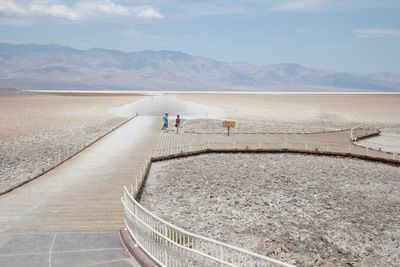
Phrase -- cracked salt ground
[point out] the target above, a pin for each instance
(302, 209)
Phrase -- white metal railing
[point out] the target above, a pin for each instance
(353, 136)
(214, 127)
(169, 245)
(360, 132)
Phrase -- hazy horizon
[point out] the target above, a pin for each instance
(178, 51)
(356, 36)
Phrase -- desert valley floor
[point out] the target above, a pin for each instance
(306, 210)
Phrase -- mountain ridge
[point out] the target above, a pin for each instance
(36, 66)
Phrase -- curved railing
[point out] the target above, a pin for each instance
(169, 245)
(306, 147)
(359, 132)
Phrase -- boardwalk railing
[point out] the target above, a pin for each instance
(312, 146)
(359, 132)
(168, 245)
(36, 169)
(33, 170)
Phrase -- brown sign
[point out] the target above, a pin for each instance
(228, 124)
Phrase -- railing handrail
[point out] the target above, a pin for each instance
(170, 240)
(145, 219)
(366, 132)
(202, 237)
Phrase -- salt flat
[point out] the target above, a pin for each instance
(303, 209)
(310, 110)
(37, 126)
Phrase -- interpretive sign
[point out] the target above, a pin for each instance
(228, 124)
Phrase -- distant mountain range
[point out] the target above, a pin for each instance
(55, 67)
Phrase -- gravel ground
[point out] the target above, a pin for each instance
(35, 128)
(303, 209)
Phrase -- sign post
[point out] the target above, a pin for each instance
(228, 124)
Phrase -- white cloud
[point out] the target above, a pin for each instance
(149, 12)
(110, 7)
(376, 32)
(58, 11)
(300, 5)
(37, 10)
(9, 7)
(75, 11)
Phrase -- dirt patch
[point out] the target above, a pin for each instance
(306, 210)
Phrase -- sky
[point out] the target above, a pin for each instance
(359, 36)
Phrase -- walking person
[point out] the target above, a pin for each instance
(177, 123)
(165, 123)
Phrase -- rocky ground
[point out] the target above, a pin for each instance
(36, 128)
(306, 210)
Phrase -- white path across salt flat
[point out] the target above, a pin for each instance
(84, 192)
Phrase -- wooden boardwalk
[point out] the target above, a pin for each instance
(84, 192)
(339, 142)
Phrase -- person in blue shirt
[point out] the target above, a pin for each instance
(165, 122)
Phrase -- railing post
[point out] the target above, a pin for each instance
(306, 146)
(327, 147)
(59, 158)
(171, 246)
(367, 151)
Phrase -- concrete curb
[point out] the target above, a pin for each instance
(136, 252)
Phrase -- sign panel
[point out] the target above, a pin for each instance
(228, 124)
